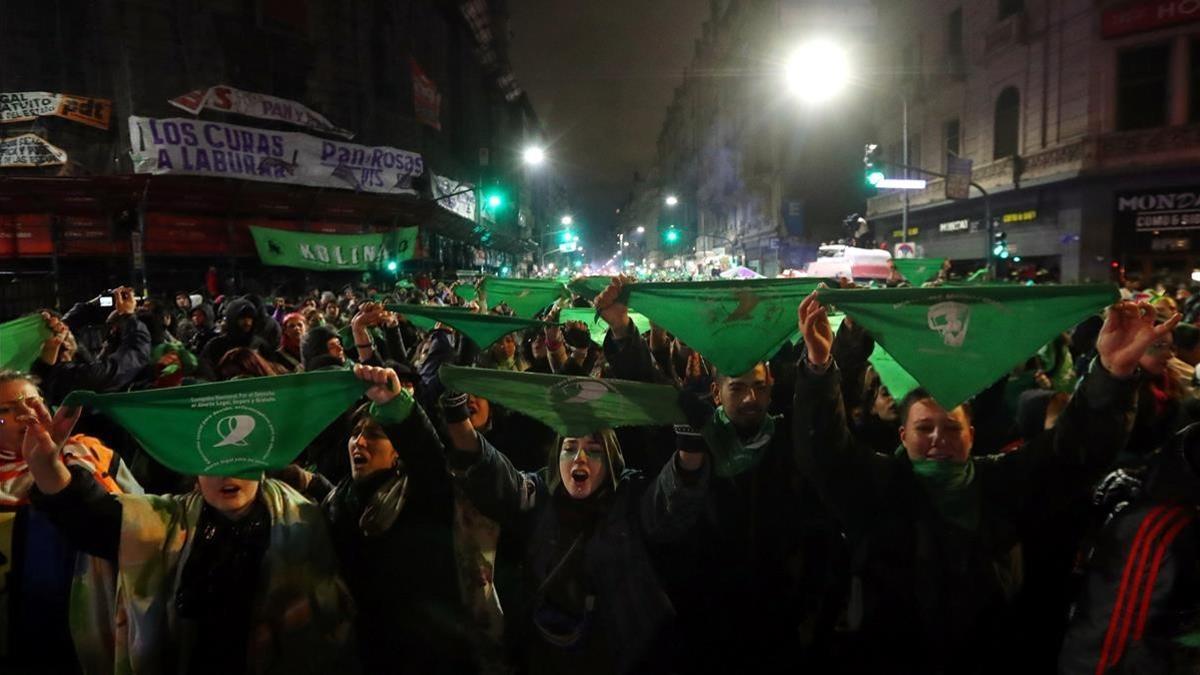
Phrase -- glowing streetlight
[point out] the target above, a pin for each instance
(567, 220)
(641, 229)
(671, 200)
(533, 155)
(817, 71)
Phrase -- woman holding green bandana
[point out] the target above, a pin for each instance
(589, 600)
(237, 576)
(936, 532)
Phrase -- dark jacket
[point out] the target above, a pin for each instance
(766, 552)
(234, 337)
(403, 579)
(115, 370)
(199, 336)
(935, 596)
(600, 547)
(1142, 591)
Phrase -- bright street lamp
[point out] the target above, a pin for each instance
(533, 155)
(641, 229)
(567, 220)
(817, 71)
(671, 200)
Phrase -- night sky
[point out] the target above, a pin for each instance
(600, 76)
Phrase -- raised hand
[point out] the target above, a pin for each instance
(818, 334)
(1127, 332)
(123, 300)
(44, 435)
(385, 384)
(612, 309)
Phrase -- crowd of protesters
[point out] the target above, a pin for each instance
(804, 520)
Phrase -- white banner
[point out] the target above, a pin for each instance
(21, 106)
(199, 148)
(29, 150)
(462, 204)
(264, 106)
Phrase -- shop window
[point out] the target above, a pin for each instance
(1194, 81)
(954, 34)
(1142, 77)
(1007, 124)
(1010, 7)
(952, 140)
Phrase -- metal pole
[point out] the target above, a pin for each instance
(904, 133)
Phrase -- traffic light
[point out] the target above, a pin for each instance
(1000, 245)
(872, 172)
(494, 199)
(671, 235)
(566, 237)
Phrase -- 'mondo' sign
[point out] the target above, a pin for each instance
(1158, 210)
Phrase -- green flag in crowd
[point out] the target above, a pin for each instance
(484, 329)
(734, 324)
(237, 428)
(596, 326)
(21, 342)
(320, 251)
(957, 341)
(918, 270)
(892, 374)
(589, 287)
(466, 292)
(526, 297)
(571, 406)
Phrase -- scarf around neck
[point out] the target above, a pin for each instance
(951, 488)
(731, 455)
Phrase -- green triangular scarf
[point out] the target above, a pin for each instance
(467, 293)
(21, 342)
(918, 270)
(571, 406)
(236, 428)
(957, 341)
(732, 456)
(526, 297)
(598, 327)
(484, 329)
(734, 324)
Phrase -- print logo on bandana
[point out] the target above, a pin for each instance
(236, 434)
(951, 320)
(579, 390)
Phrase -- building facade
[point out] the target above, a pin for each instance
(425, 77)
(1080, 118)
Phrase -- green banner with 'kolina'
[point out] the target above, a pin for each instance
(956, 341)
(572, 406)
(320, 251)
(237, 428)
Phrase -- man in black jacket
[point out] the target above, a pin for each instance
(758, 592)
(935, 532)
(242, 322)
(126, 352)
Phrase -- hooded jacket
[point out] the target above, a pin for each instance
(314, 346)
(584, 567)
(199, 336)
(234, 336)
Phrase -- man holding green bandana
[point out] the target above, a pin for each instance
(764, 557)
(936, 533)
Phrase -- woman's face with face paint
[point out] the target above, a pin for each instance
(583, 466)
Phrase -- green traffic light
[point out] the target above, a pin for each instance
(672, 235)
(392, 266)
(875, 177)
(495, 201)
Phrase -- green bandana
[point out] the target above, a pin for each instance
(21, 342)
(320, 251)
(596, 327)
(571, 406)
(957, 341)
(526, 297)
(237, 428)
(731, 455)
(467, 293)
(484, 329)
(952, 489)
(733, 324)
(918, 270)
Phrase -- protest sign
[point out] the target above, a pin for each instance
(27, 105)
(29, 150)
(320, 251)
(252, 104)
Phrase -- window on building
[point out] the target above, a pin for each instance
(1143, 74)
(1194, 82)
(952, 139)
(1010, 7)
(1006, 124)
(954, 33)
